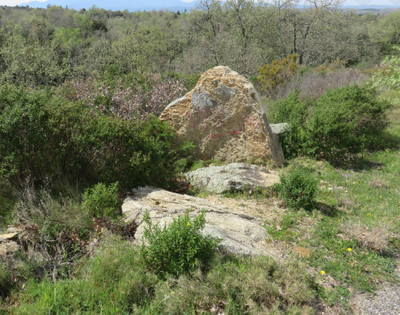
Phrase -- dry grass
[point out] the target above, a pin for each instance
(376, 239)
(259, 286)
(314, 85)
(377, 182)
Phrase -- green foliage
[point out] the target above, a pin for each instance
(388, 76)
(115, 281)
(239, 285)
(58, 228)
(178, 248)
(298, 188)
(46, 138)
(345, 260)
(112, 282)
(6, 282)
(344, 121)
(278, 72)
(101, 200)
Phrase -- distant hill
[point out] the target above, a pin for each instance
(172, 5)
(132, 5)
(371, 6)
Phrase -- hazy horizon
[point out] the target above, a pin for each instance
(346, 3)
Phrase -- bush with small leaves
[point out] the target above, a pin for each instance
(298, 188)
(278, 72)
(344, 121)
(101, 200)
(178, 248)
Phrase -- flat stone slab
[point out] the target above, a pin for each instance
(6, 237)
(234, 176)
(240, 233)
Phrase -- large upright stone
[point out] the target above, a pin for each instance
(223, 117)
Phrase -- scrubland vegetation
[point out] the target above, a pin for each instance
(79, 98)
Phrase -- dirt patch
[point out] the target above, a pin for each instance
(268, 210)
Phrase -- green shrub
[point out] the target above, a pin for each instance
(47, 138)
(178, 248)
(343, 121)
(388, 75)
(347, 120)
(294, 112)
(298, 188)
(278, 72)
(6, 283)
(101, 200)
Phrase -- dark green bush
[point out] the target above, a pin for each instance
(6, 282)
(298, 188)
(46, 138)
(177, 248)
(343, 121)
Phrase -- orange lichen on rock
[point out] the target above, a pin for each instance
(222, 116)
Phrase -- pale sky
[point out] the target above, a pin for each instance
(347, 2)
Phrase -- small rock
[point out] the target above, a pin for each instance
(279, 129)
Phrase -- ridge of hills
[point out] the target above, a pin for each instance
(137, 5)
(172, 5)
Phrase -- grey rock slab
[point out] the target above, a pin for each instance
(234, 176)
(239, 233)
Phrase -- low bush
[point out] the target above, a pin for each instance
(344, 121)
(101, 200)
(298, 188)
(278, 72)
(178, 248)
(314, 84)
(6, 282)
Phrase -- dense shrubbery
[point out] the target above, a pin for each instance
(47, 138)
(342, 121)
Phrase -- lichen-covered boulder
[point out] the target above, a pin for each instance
(222, 116)
(234, 176)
